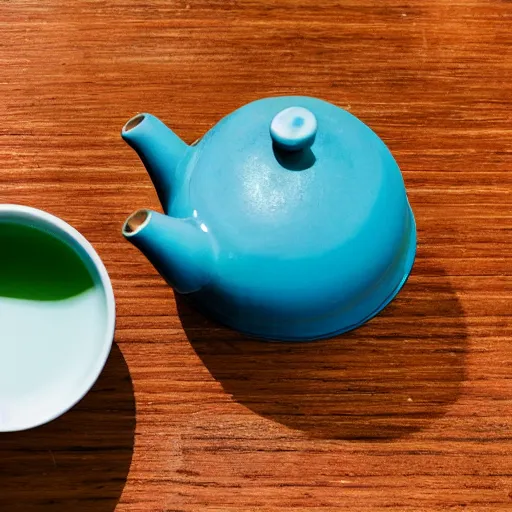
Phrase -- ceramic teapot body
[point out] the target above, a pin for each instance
(288, 220)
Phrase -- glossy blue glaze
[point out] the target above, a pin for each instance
(281, 242)
(178, 250)
(159, 149)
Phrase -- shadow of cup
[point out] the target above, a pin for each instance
(80, 461)
(383, 381)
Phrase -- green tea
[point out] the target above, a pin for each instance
(36, 265)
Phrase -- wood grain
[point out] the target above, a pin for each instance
(413, 411)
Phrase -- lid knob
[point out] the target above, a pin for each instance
(293, 128)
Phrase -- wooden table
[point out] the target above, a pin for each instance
(413, 412)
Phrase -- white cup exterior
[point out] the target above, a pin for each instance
(65, 232)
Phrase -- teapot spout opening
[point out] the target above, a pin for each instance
(136, 222)
(133, 122)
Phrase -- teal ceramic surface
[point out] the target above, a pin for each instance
(288, 220)
(56, 317)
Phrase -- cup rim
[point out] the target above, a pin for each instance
(108, 337)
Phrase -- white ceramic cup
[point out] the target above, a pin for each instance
(52, 350)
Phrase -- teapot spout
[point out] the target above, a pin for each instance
(160, 150)
(177, 248)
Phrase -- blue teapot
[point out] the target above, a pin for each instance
(288, 220)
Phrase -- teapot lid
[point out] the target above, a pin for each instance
(295, 175)
(293, 129)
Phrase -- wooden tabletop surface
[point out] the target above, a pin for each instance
(412, 412)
